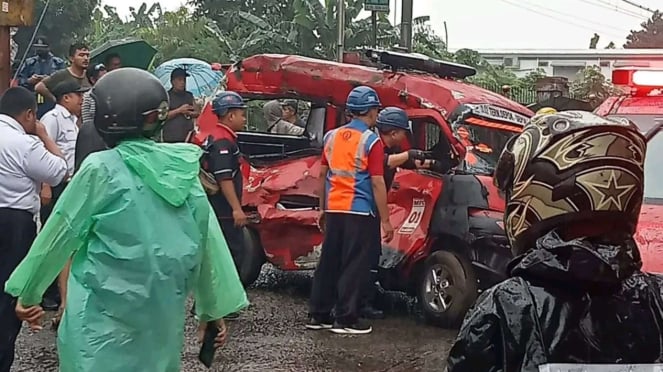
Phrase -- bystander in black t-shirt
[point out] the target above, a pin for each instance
(179, 127)
(223, 161)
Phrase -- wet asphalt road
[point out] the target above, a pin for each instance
(270, 336)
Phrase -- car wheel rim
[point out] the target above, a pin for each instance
(437, 284)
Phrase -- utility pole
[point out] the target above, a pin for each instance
(374, 23)
(13, 13)
(406, 25)
(340, 8)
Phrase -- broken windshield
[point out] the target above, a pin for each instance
(484, 146)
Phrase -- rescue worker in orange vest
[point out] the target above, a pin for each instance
(353, 202)
(393, 127)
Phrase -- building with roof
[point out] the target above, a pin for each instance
(566, 62)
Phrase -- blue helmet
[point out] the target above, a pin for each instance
(362, 99)
(393, 118)
(225, 101)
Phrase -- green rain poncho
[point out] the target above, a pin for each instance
(142, 235)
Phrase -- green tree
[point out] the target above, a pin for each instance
(469, 57)
(592, 84)
(174, 34)
(529, 81)
(65, 22)
(650, 36)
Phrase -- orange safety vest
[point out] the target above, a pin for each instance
(348, 186)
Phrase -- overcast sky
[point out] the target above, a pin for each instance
(515, 24)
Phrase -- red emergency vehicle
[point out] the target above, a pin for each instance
(642, 103)
(449, 241)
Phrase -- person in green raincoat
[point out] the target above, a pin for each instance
(141, 234)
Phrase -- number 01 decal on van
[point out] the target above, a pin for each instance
(414, 219)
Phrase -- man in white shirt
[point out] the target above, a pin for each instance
(62, 126)
(28, 158)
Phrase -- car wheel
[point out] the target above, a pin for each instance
(447, 288)
(252, 258)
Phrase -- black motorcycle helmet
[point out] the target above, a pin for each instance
(573, 170)
(128, 103)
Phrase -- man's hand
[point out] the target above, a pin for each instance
(185, 109)
(34, 79)
(46, 195)
(32, 315)
(387, 231)
(240, 218)
(426, 164)
(40, 130)
(221, 337)
(414, 155)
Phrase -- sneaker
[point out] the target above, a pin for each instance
(316, 324)
(357, 328)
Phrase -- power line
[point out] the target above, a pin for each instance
(565, 21)
(572, 16)
(638, 6)
(614, 8)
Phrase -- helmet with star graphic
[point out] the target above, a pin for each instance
(571, 169)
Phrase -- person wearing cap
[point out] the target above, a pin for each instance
(290, 110)
(353, 205)
(393, 128)
(182, 109)
(37, 68)
(62, 127)
(222, 160)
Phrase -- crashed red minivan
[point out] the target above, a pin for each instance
(449, 242)
(642, 103)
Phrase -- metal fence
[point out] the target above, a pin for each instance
(520, 95)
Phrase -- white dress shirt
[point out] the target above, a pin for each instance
(24, 165)
(62, 127)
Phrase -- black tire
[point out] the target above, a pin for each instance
(459, 291)
(252, 258)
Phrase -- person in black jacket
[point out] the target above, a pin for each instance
(573, 183)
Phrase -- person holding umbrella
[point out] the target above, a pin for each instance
(182, 109)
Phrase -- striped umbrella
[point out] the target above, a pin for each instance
(202, 81)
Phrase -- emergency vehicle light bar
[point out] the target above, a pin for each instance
(638, 77)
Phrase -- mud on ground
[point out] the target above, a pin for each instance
(270, 336)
